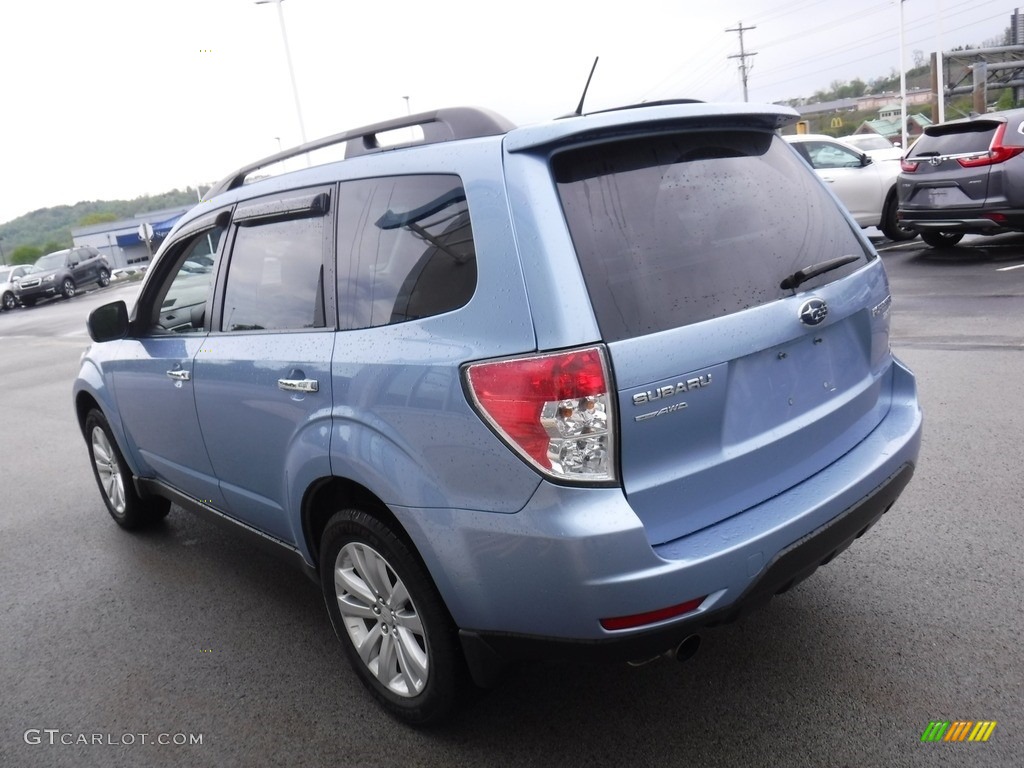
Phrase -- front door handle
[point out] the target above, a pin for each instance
(298, 385)
(179, 375)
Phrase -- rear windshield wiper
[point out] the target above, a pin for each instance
(803, 275)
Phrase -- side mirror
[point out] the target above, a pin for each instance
(865, 161)
(109, 322)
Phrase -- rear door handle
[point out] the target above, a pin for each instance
(298, 385)
(179, 375)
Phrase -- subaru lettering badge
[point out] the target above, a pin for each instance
(813, 311)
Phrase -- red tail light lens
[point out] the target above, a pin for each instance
(908, 166)
(996, 154)
(554, 410)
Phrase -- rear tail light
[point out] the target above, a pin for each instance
(908, 166)
(554, 410)
(997, 153)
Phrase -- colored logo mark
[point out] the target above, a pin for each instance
(958, 730)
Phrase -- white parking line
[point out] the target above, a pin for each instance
(897, 247)
(1007, 269)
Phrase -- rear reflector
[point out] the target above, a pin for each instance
(652, 617)
(554, 410)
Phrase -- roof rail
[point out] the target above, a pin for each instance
(438, 125)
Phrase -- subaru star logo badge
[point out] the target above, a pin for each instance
(813, 311)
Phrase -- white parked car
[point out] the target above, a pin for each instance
(874, 146)
(867, 188)
(8, 274)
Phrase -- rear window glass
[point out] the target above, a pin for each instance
(672, 230)
(956, 139)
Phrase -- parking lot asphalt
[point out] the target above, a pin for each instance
(184, 632)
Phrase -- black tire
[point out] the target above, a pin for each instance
(9, 302)
(411, 659)
(67, 288)
(114, 478)
(104, 280)
(942, 239)
(891, 226)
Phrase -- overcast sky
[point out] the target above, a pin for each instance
(118, 98)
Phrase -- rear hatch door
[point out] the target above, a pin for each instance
(737, 377)
(946, 169)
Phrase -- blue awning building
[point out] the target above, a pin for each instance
(121, 241)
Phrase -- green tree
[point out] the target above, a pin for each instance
(1006, 100)
(25, 254)
(99, 217)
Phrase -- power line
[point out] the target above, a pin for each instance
(690, 74)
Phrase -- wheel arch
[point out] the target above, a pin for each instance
(330, 494)
(85, 402)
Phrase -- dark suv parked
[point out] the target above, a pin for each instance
(63, 273)
(570, 391)
(965, 177)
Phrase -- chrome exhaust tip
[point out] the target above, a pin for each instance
(686, 649)
(682, 652)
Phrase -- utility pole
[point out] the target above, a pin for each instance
(742, 56)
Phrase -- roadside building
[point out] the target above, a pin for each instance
(888, 124)
(122, 242)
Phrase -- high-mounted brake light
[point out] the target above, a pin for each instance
(997, 153)
(555, 410)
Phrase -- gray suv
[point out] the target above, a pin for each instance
(572, 391)
(965, 177)
(62, 273)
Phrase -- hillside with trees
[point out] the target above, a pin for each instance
(49, 229)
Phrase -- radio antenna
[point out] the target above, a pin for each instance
(579, 109)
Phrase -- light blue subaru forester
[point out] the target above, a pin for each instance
(569, 391)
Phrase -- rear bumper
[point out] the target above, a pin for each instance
(536, 584)
(488, 652)
(975, 222)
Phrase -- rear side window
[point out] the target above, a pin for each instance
(405, 249)
(672, 230)
(955, 139)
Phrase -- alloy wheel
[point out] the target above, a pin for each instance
(381, 620)
(108, 470)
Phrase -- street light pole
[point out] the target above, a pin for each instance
(291, 69)
(903, 87)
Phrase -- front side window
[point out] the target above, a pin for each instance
(405, 249)
(181, 306)
(672, 230)
(275, 276)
